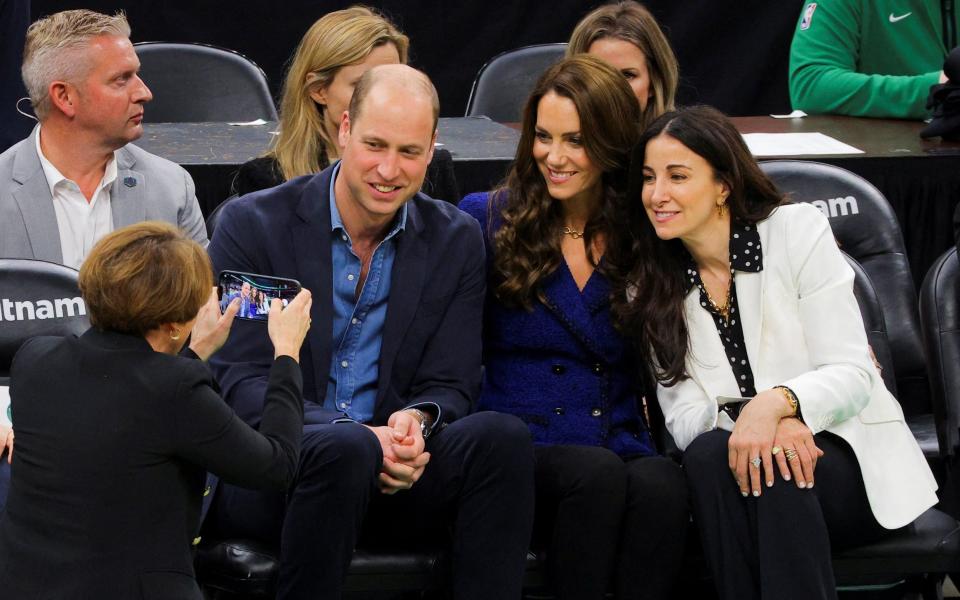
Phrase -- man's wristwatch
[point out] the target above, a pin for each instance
(426, 424)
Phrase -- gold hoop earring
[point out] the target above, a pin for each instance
(175, 337)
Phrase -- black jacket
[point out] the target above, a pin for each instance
(113, 440)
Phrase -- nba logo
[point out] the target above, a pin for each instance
(807, 16)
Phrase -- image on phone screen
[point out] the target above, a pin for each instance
(255, 292)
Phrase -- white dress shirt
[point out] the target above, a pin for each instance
(81, 223)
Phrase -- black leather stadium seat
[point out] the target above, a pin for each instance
(928, 548)
(36, 298)
(940, 315)
(867, 229)
(194, 83)
(503, 84)
(873, 321)
(244, 568)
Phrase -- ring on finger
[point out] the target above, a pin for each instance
(756, 462)
(790, 453)
(776, 450)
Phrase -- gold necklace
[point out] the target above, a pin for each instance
(572, 233)
(722, 309)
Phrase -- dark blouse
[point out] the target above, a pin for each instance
(745, 255)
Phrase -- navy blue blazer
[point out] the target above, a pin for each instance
(562, 368)
(431, 337)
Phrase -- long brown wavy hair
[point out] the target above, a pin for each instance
(527, 239)
(649, 302)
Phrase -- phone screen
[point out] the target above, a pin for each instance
(255, 292)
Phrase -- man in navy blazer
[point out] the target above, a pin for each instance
(391, 363)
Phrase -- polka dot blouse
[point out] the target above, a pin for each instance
(745, 255)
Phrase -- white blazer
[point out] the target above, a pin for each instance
(802, 328)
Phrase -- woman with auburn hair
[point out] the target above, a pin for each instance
(117, 428)
(609, 510)
(628, 37)
(332, 56)
(745, 307)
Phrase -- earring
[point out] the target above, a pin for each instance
(175, 337)
(721, 209)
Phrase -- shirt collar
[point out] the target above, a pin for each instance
(336, 223)
(746, 255)
(55, 177)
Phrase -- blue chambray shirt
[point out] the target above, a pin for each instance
(357, 322)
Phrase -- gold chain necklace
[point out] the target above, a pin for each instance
(722, 309)
(572, 233)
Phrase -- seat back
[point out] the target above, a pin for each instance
(940, 316)
(503, 84)
(36, 298)
(214, 217)
(867, 229)
(194, 83)
(871, 311)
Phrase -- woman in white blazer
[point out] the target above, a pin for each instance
(737, 294)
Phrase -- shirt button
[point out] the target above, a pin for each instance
(344, 364)
(350, 277)
(343, 405)
(343, 236)
(558, 410)
(355, 320)
(558, 369)
(598, 369)
(596, 412)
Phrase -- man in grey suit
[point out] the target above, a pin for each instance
(77, 176)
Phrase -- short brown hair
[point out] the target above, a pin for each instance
(50, 51)
(144, 275)
(632, 22)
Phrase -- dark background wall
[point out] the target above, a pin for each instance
(733, 53)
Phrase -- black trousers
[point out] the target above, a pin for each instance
(478, 487)
(777, 546)
(604, 520)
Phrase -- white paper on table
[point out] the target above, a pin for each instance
(249, 123)
(4, 405)
(790, 144)
(797, 114)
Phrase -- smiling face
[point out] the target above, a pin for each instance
(335, 97)
(681, 192)
(629, 60)
(109, 100)
(558, 150)
(386, 150)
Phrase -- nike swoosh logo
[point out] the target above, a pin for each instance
(894, 19)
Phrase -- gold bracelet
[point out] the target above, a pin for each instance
(791, 398)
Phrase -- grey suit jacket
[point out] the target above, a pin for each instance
(147, 188)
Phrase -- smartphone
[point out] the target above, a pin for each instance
(256, 292)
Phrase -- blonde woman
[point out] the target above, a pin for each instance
(333, 54)
(627, 36)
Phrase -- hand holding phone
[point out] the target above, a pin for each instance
(211, 328)
(288, 327)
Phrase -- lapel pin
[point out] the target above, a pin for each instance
(130, 181)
